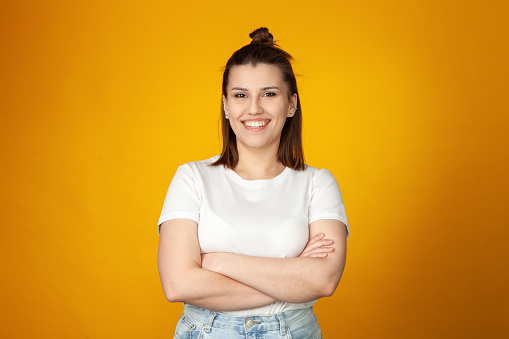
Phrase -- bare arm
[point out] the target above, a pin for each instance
(183, 279)
(295, 280)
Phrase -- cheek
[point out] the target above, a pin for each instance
(235, 125)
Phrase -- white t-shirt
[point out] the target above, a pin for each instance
(264, 218)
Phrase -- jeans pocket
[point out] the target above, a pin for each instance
(305, 328)
(185, 328)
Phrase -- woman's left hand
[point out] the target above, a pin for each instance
(317, 247)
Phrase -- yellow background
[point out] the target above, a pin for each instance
(405, 102)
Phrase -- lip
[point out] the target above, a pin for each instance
(256, 129)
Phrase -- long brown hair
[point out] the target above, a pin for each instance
(263, 50)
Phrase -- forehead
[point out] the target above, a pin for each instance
(259, 76)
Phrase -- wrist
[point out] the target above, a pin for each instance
(213, 261)
(218, 262)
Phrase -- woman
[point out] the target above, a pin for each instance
(242, 235)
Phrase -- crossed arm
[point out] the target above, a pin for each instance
(228, 282)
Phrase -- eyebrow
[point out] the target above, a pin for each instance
(246, 90)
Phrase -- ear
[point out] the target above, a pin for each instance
(225, 107)
(293, 100)
(293, 105)
(225, 104)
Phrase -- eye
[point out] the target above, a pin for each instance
(269, 94)
(240, 95)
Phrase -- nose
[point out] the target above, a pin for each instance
(255, 106)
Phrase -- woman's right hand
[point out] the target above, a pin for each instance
(317, 247)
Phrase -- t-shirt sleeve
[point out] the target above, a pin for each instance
(182, 198)
(326, 200)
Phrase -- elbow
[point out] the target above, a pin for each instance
(331, 277)
(328, 288)
(177, 285)
(173, 292)
(172, 296)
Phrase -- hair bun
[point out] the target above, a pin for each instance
(262, 36)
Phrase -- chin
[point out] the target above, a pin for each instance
(259, 145)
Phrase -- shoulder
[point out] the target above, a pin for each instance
(326, 198)
(191, 176)
(320, 179)
(315, 174)
(201, 168)
(315, 179)
(200, 164)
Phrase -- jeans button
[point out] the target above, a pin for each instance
(250, 323)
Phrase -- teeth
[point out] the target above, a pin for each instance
(254, 123)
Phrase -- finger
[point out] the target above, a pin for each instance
(316, 238)
(313, 242)
(319, 250)
(318, 244)
(318, 255)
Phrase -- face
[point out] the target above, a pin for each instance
(257, 105)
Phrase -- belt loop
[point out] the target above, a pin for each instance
(282, 325)
(208, 325)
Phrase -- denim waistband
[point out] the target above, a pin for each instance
(211, 319)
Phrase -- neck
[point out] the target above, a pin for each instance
(258, 164)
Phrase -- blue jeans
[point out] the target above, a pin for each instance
(199, 323)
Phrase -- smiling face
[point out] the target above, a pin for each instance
(257, 105)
